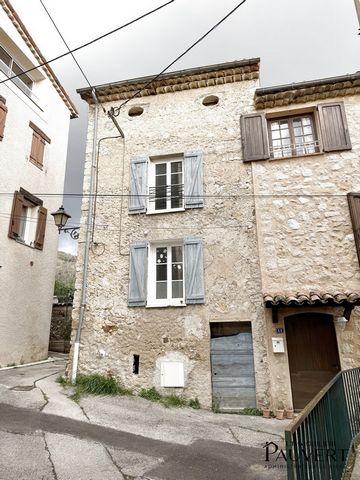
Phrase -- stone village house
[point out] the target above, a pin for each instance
(223, 263)
(35, 115)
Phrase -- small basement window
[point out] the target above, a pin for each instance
(135, 111)
(210, 100)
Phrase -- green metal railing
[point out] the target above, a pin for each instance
(319, 440)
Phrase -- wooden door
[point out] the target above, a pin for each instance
(232, 361)
(313, 354)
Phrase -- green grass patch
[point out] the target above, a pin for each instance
(168, 400)
(150, 394)
(251, 411)
(62, 380)
(194, 403)
(97, 384)
(173, 401)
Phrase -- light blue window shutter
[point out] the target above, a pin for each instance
(138, 274)
(138, 185)
(193, 180)
(194, 271)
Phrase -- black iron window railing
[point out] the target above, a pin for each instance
(167, 197)
(318, 442)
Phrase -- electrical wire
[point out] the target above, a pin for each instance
(65, 43)
(89, 43)
(116, 110)
(217, 196)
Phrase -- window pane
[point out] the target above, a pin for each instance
(274, 125)
(177, 271)
(176, 167)
(161, 272)
(306, 121)
(161, 289)
(24, 213)
(177, 289)
(5, 57)
(161, 255)
(275, 134)
(24, 78)
(160, 169)
(177, 254)
(283, 124)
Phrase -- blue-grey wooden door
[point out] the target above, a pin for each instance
(233, 373)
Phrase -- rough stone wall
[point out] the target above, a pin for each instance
(173, 123)
(306, 241)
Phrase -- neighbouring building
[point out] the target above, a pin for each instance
(221, 230)
(34, 122)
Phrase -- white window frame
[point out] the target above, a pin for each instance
(9, 72)
(151, 184)
(29, 224)
(152, 301)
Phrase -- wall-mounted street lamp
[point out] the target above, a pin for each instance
(60, 219)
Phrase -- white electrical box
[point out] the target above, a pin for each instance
(172, 374)
(278, 345)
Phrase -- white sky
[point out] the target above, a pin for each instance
(296, 40)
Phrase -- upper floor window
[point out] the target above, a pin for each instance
(28, 219)
(168, 184)
(9, 66)
(166, 188)
(292, 136)
(323, 129)
(39, 139)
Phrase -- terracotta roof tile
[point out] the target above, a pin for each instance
(312, 298)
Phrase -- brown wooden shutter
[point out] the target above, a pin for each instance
(334, 128)
(3, 113)
(254, 136)
(14, 226)
(354, 207)
(40, 228)
(37, 151)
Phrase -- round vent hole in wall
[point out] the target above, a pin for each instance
(210, 100)
(135, 111)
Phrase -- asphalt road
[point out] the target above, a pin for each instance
(35, 445)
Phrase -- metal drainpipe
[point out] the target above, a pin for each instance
(86, 249)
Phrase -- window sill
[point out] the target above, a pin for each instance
(297, 156)
(22, 242)
(162, 305)
(171, 210)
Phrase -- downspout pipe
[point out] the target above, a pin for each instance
(76, 351)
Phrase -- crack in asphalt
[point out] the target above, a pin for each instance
(116, 465)
(233, 434)
(49, 455)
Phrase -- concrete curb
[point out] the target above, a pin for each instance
(49, 360)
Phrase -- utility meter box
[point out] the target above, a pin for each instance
(278, 345)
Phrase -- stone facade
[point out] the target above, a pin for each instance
(263, 230)
(305, 236)
(173, 123)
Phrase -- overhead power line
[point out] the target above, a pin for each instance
(116, 110)
(71, 53)
(90, 42)
(66, 45)
(216, 196)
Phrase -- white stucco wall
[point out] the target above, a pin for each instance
(26, 274)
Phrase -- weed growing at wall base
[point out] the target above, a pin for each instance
(168, 400)
(97, 384)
